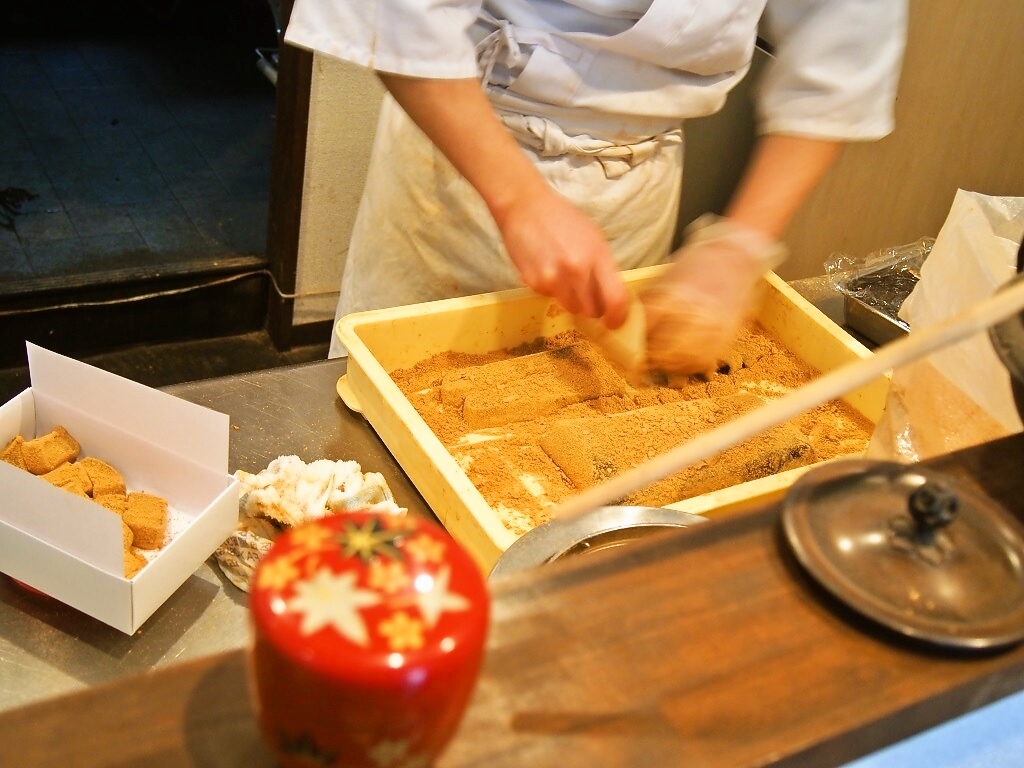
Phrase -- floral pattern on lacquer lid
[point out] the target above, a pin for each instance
(359, 595)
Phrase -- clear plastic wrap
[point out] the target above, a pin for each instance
(883, 279)
(290, 492)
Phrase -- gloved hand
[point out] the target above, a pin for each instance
(697, 308)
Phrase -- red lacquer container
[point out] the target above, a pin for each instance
(368, 634)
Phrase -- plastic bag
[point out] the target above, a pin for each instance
(961, 395)
(290, 492)
(882, 280)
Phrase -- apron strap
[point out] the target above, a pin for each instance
(549, 140)
(500, 46)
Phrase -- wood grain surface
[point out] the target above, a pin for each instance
(704, 647)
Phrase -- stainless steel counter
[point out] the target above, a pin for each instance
(48, 649)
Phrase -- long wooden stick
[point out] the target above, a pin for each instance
(994, 309)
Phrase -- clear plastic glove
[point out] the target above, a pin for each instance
(696, 310)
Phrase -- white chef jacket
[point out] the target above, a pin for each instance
(606, 63)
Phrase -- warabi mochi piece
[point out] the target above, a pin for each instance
(12, 453)
(115, 502)
(591, 450)
(44, 454)
(146, 515)
(530, 386)
(133, 562)
(71, 478)
(105, 479)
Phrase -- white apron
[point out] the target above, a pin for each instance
(423, 233)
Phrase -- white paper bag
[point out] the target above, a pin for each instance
(960, 395)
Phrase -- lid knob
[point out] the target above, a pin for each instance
(932, 507)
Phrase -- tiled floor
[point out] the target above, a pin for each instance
(126, 143)
(135, 140)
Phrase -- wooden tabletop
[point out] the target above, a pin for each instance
(704, 647)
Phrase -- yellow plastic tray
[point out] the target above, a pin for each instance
(390, 339)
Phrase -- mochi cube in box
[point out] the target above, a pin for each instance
(70, 547)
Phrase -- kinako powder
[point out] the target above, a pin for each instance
(538, 423)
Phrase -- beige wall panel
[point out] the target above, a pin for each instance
(717, 148)
(343, 106)
(960, 124)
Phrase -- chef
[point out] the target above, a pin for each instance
(540, 143)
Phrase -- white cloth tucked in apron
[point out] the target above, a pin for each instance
(548, 140)
(423, 233)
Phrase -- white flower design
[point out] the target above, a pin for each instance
(437, 599)
(334, 600)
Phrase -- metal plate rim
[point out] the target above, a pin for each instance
(550, 541)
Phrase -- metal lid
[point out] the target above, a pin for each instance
(600, 529)
(911, 549)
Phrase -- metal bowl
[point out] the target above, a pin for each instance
(602, 529)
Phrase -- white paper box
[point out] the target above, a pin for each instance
(69, 547)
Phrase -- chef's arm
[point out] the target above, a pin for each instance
(780, 175)
(557, 249)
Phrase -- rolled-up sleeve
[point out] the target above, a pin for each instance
(416, 38)
(836, 68)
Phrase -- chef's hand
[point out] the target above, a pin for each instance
(696, 310)
(560, 252)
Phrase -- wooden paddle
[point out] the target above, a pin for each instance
(996, 308)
